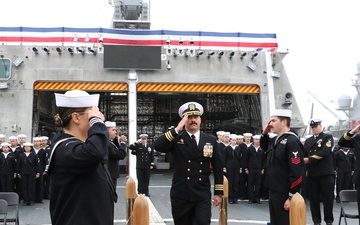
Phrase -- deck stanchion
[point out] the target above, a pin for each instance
(141, 211)
(130, 199)
(223, 212)
(297, 210)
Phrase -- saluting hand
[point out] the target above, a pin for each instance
(181, 124)
(95, 112)
(355, 129)
(267, 128)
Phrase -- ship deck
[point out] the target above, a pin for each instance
(160, 208)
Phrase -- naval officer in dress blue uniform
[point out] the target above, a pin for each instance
(320, 170)
(144, 162)
(196, 155)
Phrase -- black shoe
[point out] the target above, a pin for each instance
(329, 223)
(317, 223)
(250, 202)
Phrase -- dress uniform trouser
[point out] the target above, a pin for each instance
(143, 176)
(233, 179)
(39, 188)
(28, 184)
(254, 181)
(191, 213)
(278, 215)
(7, 182)
(321, 186)
(343, 182)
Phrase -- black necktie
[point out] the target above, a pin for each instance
(193, 139)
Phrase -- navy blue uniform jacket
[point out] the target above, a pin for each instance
(284, 163)
(319, 151)
(80, 187)
(191, 179)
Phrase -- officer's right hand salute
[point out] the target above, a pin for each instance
(355, 129)
(181, 124)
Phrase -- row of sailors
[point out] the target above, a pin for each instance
(243, 165)
(22, 168)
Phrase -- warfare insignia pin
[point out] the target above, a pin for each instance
(328, 143)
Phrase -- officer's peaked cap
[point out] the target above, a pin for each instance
(191, 108)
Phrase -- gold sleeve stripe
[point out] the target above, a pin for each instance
(219, 187)
(347, 137)
(169, 136)
(316, 157)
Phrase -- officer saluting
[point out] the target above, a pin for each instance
(144, 163)
(194, 153)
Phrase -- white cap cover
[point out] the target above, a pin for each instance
(110, 124)
(191, 108)
(76, 99)
(281, 112)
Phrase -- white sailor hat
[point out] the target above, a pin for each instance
(240, 137)
(12, 138)
(5, 144)
(220, 132)
(21, 136)
(314, 122)
(281, 112)
(143, 135)
(44, 138)
(110, 124)
(2, 136)
(226, 133)
(233, 136)
(247, 134)
(256, 136)
(76, 99)
(191, 108)
(28, 144)
(36, 138)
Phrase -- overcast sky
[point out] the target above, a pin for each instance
(322, 36)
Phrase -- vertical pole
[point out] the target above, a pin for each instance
(130, 199)
(270, 82)
(132, 115)
(223, 212)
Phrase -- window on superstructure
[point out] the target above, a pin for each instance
(5, 69)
